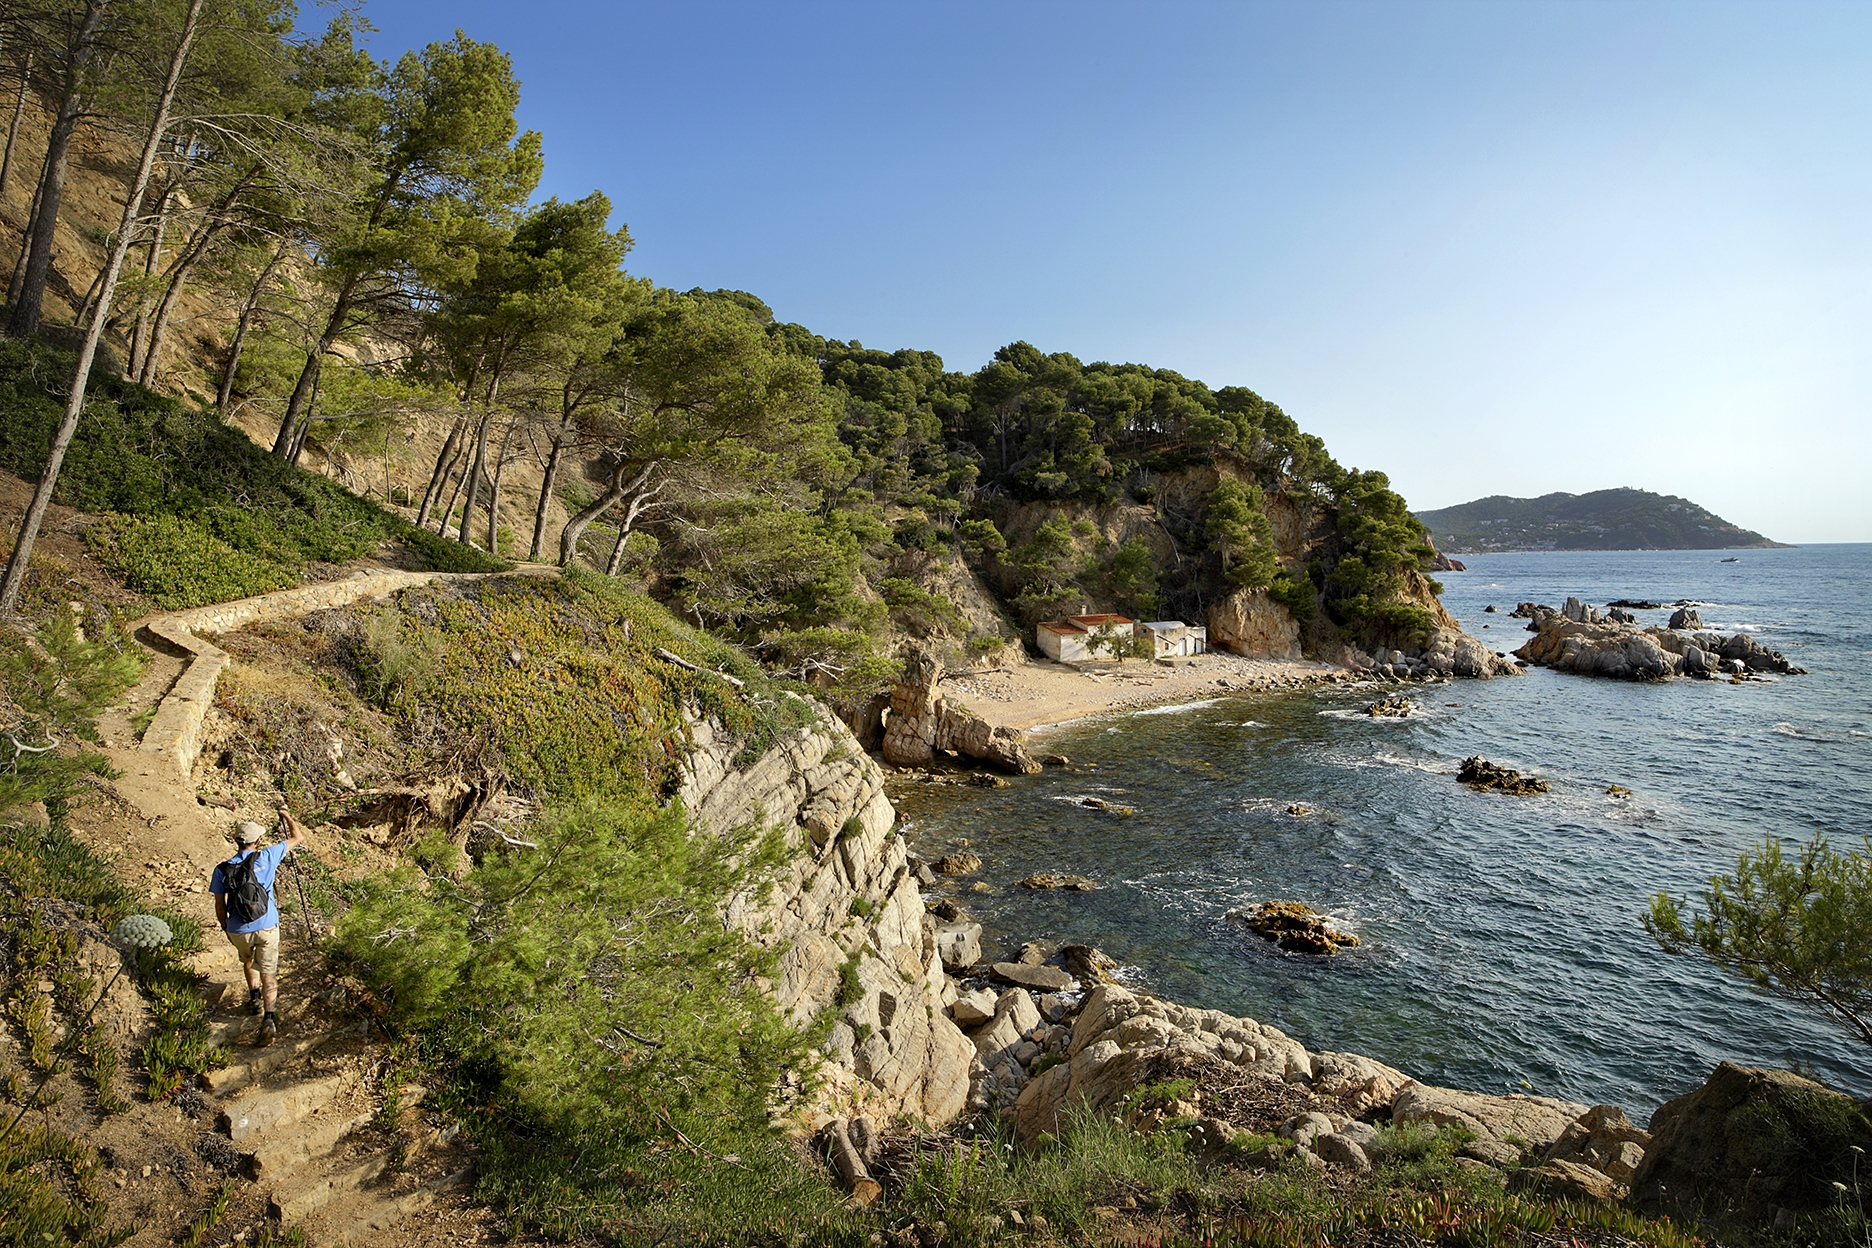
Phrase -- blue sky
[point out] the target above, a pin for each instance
(1489, 248)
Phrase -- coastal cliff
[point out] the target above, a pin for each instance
(845, 912)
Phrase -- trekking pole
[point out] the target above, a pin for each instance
(305, 907)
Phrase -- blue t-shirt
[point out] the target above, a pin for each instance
(269, 860)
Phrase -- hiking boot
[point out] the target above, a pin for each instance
(269, 1028)
(254, 1004)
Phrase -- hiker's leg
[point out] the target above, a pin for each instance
(266, 959)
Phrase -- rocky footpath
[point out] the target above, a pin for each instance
(1577, 638)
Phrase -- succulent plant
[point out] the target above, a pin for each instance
(141, 931)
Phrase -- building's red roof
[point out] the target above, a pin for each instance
(1081, 623)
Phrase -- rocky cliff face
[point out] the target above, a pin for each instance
(1249, 623)
(845, 913)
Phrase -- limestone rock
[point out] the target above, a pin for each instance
(1686, 617)
(1605, 1139)
(1567, 1180)
(1360, 1083)
(1536, 1121)
(959, 945)
(921, 723)
(1338, 1150)
(973, 1008)
(1452, 652)
(1044, 978)
(1743, 1140)
(1250, 623)
(1087, 964)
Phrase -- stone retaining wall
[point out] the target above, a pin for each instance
(175, 732)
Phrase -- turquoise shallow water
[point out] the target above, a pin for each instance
(1502, 936)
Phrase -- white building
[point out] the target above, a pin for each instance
(1173, 639)
(1078, 638)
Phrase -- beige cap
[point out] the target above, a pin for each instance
(247, 831)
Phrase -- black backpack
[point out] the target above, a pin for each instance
(247, 897)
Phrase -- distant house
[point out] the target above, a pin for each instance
(1080, 637)
(1173, 638)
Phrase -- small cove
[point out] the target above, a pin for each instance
(1502, 936)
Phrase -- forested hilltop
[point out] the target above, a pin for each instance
(345, 259)
(1622, 519)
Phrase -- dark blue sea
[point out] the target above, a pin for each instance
(1502, 937)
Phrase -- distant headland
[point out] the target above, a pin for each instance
(1622, 519)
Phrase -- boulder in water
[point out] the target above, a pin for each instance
(1056, 879)
(1486, 777)
(1295, 926)
(1687, 618)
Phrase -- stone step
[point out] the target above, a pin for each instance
(268, 1111)
(255, 1070)
(274, 1159)
(290, 1205)
(244, 1028)
(390, 1210)
(294, 1204)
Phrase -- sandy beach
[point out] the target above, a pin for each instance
(1040, 694)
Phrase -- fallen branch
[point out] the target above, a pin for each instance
(671, 657)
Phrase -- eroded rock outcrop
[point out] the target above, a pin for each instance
(1744, 1143)
(921, 723)
(1251, 624)
(846, 912)
(1507, 1128)
(1625, 652)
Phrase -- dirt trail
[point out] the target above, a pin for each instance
(301, 1125)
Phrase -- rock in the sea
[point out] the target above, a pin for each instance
(1619, 615)
(1397, 706)
(959, 946)
(1686, 618)
(1485, 777)
(1636, 604)
(1042, 978)
(1625, 652)
(1295, 926)
(962, 862)
(1489, 610)
(1751, 1140)
(1056, 879)
(1087, 964)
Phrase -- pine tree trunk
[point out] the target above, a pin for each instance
(27, 309)
(445, 460)
(554, 461)
(494, 499)
(614, 493)
(458, 472)
(289, 430)
(241, 326)
(17, 282)
(81, 374)
(139, 332)
(19, 114)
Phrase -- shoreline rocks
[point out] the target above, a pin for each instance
(1627, 652)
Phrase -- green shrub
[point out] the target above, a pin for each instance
(178, 564)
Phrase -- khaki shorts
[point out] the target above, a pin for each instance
(260, 948)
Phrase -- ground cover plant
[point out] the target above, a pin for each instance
(197, 512)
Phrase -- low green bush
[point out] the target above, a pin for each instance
(178, 564)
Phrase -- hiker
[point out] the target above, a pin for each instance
(244, 906)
